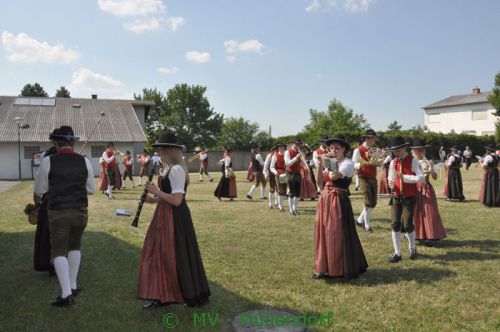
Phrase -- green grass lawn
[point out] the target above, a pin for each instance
(255, 257)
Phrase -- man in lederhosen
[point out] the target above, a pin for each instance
(143, 160)
(109, 167)
(404, 174)
(293, 162)
(203, 158)
(278, 168)
(67, 178)
(257, 170)
(367, 174)
(271, 178)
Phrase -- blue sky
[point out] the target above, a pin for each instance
(269, 61)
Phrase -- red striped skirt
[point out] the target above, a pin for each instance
(158, 269)
(426, 217)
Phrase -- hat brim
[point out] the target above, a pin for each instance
(277, 146)
(69, 138)
(399, 146)
(420, 146)
(489, 148)
(167, 145)
(340, 141)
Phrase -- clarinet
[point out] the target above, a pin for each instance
(143, 198)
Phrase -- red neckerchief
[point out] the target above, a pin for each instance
(66, 150)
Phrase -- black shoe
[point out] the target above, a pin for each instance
(318, 276)
(59, 301)
(264, 198)
(152, 304)
(203, 303)
(249, 197)
(369, 230)
(75, 292)
(394, 258)
(362, 225)
(428, 243)
(211, 180)
(413, 254)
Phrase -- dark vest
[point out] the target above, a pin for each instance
(256, 167)
(67, 181)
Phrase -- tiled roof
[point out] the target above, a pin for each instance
(461, 100)
(120, 123)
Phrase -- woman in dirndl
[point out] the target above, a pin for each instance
(490, 191)
(171, 269)
(227, 184)
(426, 218)
(383, 188)
(337, 248)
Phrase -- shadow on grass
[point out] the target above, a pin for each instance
(108, 302)
(397, 274)
(483, 245)
(461, 256)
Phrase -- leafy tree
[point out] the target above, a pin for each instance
(238, 133)
(394, 126)
(264, 140)
(494, 100)
(189, 114)
(33, 90)
(338, 118)
(63, 93)
(158, 111)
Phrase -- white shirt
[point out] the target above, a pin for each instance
(106, 158)
(156, 159)
(415, 167)
(356, 157)
(203, 156)
(467, 153)
(451, 160)
(346, 167)
(42, 180)
(259, 159)
(130, 161)
(289, 161)
(488, 159)
(387, 159)
(177, 177)
(314, 160)
(267, 164)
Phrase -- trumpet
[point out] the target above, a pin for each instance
(197, 155)
(375, 156)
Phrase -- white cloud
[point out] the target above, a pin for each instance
(353, 6)
(251, 45)
(132, 7)
(176, 22)
(140, 25)
(231, 58)
(84, 80)
(314, 6)
(198, 57)
(165, 70)
(22, 48)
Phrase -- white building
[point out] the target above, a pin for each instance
(123, 123)
(471, 114)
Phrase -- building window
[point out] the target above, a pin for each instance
(29, 151)
(479, 114)
(97, 150)
(488, 133)
(434, 118)
(470, 132)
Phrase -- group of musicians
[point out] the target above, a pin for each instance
(171, 269)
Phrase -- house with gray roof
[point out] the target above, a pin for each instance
(26, 122)
(470, 113)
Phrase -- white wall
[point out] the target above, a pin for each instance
(459, 119)
(9, 158)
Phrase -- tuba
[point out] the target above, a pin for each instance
(375, 156)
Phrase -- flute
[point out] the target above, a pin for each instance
(142, 199)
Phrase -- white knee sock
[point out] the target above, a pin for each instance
(252, 190)
(201, 177)
(396, 241)
(271, 199)
(281, 199)
(262, 191)
(411, 240)
(290, 204)
(361, 218)
(74, 257)
(367, 217)
(210, 177)
(62, 271)
(140, 181)
(277, 197)
(110, 191)
(295, 202)
(357, 181)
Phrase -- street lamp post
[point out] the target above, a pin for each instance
(19, 121)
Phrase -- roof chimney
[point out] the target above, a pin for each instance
(94, 96)
(476, 91)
